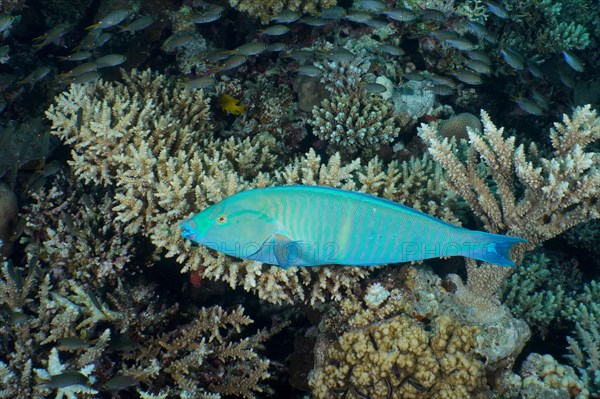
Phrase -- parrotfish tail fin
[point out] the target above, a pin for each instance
(493, 248)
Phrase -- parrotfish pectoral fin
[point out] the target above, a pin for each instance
(494, 248)
(287, 252)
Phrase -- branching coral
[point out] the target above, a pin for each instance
(353, 124)
(128, 332)
(78, 230)
(533, 197)
(538, 290)
(266, 10)
(584, 347)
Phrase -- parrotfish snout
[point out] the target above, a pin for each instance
(189, 230)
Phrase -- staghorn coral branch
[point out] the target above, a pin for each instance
(533, 197)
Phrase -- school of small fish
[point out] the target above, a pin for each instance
(474, 64)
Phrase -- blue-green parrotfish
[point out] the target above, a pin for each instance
(312, 225)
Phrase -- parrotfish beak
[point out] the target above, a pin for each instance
(194, 231)
(187, 230)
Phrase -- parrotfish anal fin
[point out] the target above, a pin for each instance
(287, 251)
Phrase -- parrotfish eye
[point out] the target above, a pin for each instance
(221, 219)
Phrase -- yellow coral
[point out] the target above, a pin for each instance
(231, 105)
(400, 358)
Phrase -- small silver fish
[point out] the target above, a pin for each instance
(391, 49)
(513, 58)
(17, 318)
(276, 47)
(479, 55)
(65, 379)
(339, 54)
(534, 69)
(529, 106)
(232, 62)
(88, 42)
(286, 16)
(415, 75)
(442, 89)
(460, 43)
(176, 41)
(442, 80)
(81, 69)
(299, 55)
(216, 55)
(73, 343)
(51, 36)
(101, 40)
(249, 49)
(85, 77)
(78, 56)
(205, 82)
(275, 30)
(376, 6)
(573, 60)
(7, 21)
(358, 16)
(566, 77)
(374, 88)
(482, 32)
(208, 16)
(139, 24)
(444, 34)
(540, 99)
(309, 70)
(112, 19)
(4, 56)
(333, 13)
(497, 9)
(110, 60)
(468, 77)
(313, 21)
(401, 14)
(35, 76)
(478, 66)
(433, 15)
(376, 22)
(120, 383)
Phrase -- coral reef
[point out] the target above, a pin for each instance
(163, 172)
